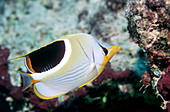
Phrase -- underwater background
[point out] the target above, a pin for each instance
(137, 79)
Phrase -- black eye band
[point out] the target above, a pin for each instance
(104, 50)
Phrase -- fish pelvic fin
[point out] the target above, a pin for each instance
(45, 97)
(27, 80)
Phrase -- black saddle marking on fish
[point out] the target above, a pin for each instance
(47, 57)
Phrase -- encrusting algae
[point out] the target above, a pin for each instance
(148, 25)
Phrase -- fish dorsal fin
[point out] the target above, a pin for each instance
(45, 57)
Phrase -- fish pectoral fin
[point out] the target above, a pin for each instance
(27, 80)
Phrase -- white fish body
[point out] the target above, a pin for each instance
(82, 60)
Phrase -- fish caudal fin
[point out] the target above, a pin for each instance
(27, 80)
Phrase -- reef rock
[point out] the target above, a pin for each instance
(149, 27)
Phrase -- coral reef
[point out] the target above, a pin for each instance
(149, 27)
(99, 97)
(4, 78)
(53, 19)
(109, 73)
(28, 24)
(164, 85)
(115, 5)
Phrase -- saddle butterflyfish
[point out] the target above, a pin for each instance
(65, 64)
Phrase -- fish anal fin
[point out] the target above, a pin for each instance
(41, 87)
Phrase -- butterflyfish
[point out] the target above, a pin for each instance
(65, 64)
